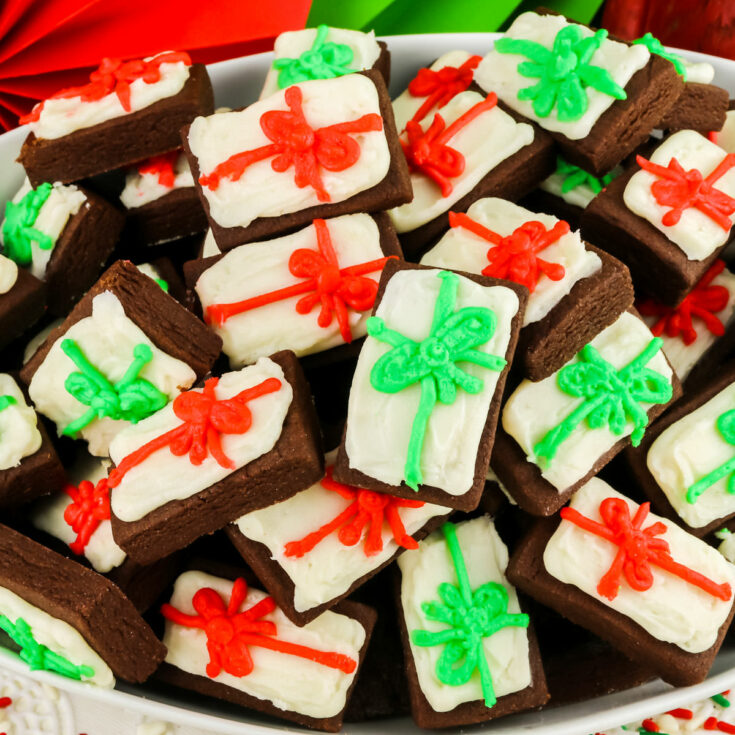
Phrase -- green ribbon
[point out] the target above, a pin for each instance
(726, 428)
(18, 230)
(40, 657)
(611, 397)
(6, 402)
(656, 47)
(453, 337)
(131, 399)
(471, 616)
(564, 72)
(162, 283)
(574, 176)
(324, 60)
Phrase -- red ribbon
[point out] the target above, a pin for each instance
(90, 505)
(164, 166)
(704, 301)
(230, 633)
(204, 420)
(428, 152)
(114, 75)
(514, 257)
(366, 513)
(638, 549)
(680, 190)
(439, 86)
(295, 143)
(334, 288)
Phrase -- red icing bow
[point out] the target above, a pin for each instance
(704, 301)
(231, 633)
(334, 288)
(295, 143)
(680, 190)
(515, 257)
(90, 505)
(429, 153)
(164, 166)
(366, 513)
(114, 75)
(439, 86)
(204, 420)
(638, 549)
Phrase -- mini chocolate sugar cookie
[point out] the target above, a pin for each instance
(311, 291)
(575, 289)
(302, 674)
(669, 609)
(600, 401)
(129, 110)
(602, 107)
(667, 232)
(470, 653)
(62, 235)
(256, 180)
(164, 273)
(22, 300)
(244, 441)
(426, 392)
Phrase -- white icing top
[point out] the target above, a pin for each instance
(148, 269)
(696, 234)
(726, 136)
(176, 478)
(19, 435)
(672, 610)
(289, 682)
(422, 571)
(499, 72)
(107, 338)
(291, 44)
(57, 635)
(210, 245)
(485, 142)
(61, 116)
(579, 196)
(259, 332)
(330, 568)
(263, 192)
(379, 424)
(462, 250)
(141, 188)
(699, 72)
(8, 274)
(619, 343)
(727, 548)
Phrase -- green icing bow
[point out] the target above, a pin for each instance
(18, 230)
(574, 176)
(656, 47)
(726, 429)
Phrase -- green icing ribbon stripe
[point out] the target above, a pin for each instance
(656, 47)
(726, 427)
(18, 231)
(431, 363)
(574, 176)
(471, 616)
(6, 402)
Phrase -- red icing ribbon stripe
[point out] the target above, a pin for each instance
(367, 512)
(230, 633)
(703, 301)
(515, 257)
(334, 288)
(90, 505)
(204, 419)
(638, 549)
(429, 153)
(680, 190)
(163, 166)
(295, 143)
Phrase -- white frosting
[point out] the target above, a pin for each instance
(699, 72)
(422, 571)
(57, 635)
(672, 610)
(619, 343)
(696, 234)
(8, 274)
(330, 568)
(277, 326)
(63, 202)
(726, 136)
(148, 269)
(164, 477)
(141, 188)
(499, 72)
(291, 683)
(291, 44)
(701, 712)
(107, 339)
(579, 196)
(727, 548)
(687, 451)
(19, 435)
(485, 142)
(462, 250)
(38, 339)
(210, 247)
(263, 192)
(379, 424)
(60, 117)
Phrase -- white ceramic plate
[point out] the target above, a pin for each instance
(238, 83)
